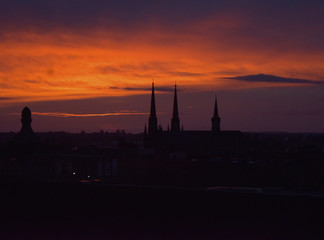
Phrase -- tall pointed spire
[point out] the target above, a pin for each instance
(153, 111)
(215, 107)
(145, 136)
(216, 119)
(152, 128)
(175, 121)
(145, 131)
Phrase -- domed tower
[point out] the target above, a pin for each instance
(26, 142)
(26, 129)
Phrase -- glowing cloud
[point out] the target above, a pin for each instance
(273, 79)
(86, 115)
(49, 52)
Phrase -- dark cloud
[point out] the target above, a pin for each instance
(101, 12)
(110, 69)
(147, 66)
(186, 74)
(273, 24)
(137, 70)
(162, 67)
(273, 79)
(159, 89)
(5, 98)
(230, 72)
(33, 81)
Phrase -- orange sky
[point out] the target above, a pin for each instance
(59, 51)
(58, 65)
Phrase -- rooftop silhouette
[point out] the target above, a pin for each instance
(205, 142)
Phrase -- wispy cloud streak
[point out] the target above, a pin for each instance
(53, 50)
(160, 89)
(85, 115)
(273, 79)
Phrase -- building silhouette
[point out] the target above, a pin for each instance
(198, 142)
(153, 127)
(175, 121)
(173, 157)
(26, 120)
(26, 141)
(216, 119)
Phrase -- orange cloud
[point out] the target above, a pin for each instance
(57, 114)
(86, 115)
(58, 65)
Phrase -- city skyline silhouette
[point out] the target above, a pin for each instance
(207, 180)
(284, 115)
(91, 70)
(174, 119)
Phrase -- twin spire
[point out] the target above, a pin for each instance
(175, 121)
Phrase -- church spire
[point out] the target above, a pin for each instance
(152, 128)
(175, 121)
(145, 131)
(216, 119)
(215, 107)
(153, 111)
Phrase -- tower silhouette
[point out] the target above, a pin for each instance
(213, 141)
(26, 142)
(216, 119)
(175, 121)
(26, 129)
(152, 127)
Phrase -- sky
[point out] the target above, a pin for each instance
(89, 65)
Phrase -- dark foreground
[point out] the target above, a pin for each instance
(78, 211)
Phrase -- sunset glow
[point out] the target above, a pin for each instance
(57, 114)
(58, 65)
(103, 53)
